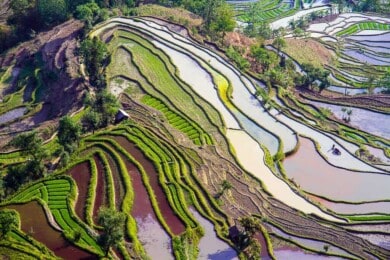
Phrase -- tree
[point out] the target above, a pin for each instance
(19, 7)
(8, 220)
(107, 105)
(315, 74)
(113, 223)
(30, 144)
(347, 113)
(94, 53)
(68, 133)
(253, 250)
(52, 11)
(385, 81)
(225, 185)
(224, 19)
(298, 32)
(250, 224)
(279, 43)
(91, 121)
(87, 12)
(264, 57)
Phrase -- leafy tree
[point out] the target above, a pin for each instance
(107, 105)
(385, 81)
(91, 121)
(30, 144)
(16, 176)
(347, 113)
(225, 185)
(52, 11)
(253, 250)
(279, 43)
(313, 74)
(8, 221)
(19, 7)
(113, 223)
(250, 224)
(224, 19)
(94, 53)
(298, 32)
(263, 57)
(88, 12)
(68, 132)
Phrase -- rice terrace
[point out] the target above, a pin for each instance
(237, 129)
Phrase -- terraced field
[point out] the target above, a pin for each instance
(196, 123)
(265, 10)
(361, 45)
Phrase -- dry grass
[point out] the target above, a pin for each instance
(308, 51)
(177, 15)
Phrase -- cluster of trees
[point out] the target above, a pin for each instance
(33, 168)
(378, 6)
(31, 16)
(314, 77)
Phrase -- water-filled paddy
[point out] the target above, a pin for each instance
(175, 224)
(12, 115)
(210, 246)
(34, 223)
(363, 119)
(155, 240)
(251, 157)
(315, 175)
(80, 173)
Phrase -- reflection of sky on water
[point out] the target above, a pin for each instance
(363, 119)
(156, 242)
(210, 246)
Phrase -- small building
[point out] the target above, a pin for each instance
(120, 116)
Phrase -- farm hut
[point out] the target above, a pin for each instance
(121, 115)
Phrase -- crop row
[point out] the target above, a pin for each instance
(55, 192)
(178, 94)
(189, 128)
(363, 26)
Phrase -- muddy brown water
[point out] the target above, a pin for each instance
(148, 226)
(264, 249)
(81, 174)
(34, 222)
(101, 196)
(173, 221)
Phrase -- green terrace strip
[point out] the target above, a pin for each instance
(166, 82)
(191, 129)
(145, 180)
(183, 178)
(23, 246)
(370, 218)
(128, 199)
(179, 174)
(355, 28)
(268, 10)
(162, 162)
(56, 193)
